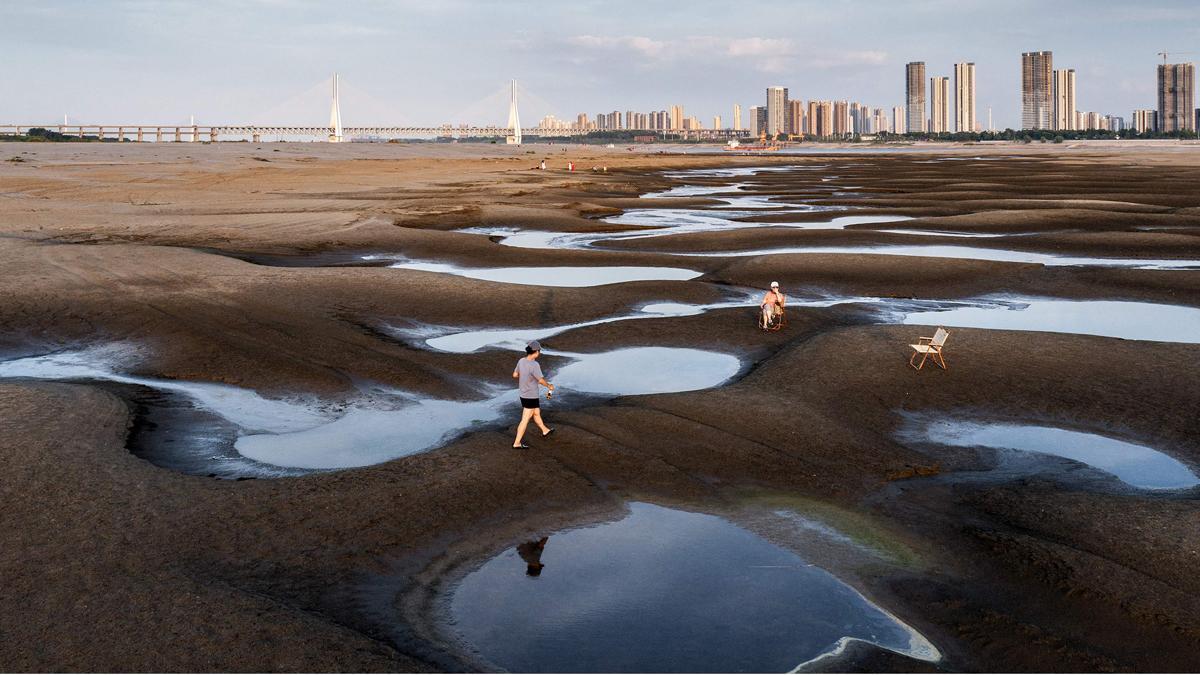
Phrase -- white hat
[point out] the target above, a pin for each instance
(774, 284)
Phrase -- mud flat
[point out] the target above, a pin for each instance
(158, 296)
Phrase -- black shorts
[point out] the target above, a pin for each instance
(531, 402)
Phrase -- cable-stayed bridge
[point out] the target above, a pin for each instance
(335, 132)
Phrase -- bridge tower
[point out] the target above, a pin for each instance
(514, 120)
(335, 115)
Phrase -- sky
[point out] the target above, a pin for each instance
(411, 62)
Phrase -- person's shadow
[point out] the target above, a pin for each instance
(531, 553)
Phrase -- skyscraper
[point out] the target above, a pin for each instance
(1064, 100)
(964, 97)
(777, 110)
(755, 130)
(676, 117)
(939, 105)
(898, 120)
(841, 119)
(796, 117)
(1176, 97)
(1037, 90)
(914, 96)
(716, 121)
(1144, 120)
(737, 117)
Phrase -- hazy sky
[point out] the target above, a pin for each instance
(231, 61)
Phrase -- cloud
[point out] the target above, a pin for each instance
(764, 54)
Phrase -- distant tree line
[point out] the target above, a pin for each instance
(40, 135)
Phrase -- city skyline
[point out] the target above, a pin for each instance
(138, 59)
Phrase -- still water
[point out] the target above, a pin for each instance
(664, 591)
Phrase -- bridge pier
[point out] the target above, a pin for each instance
(158, 135)
(139, 135)
(120, 134)
(256, 135)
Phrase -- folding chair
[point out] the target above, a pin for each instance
(930, 346)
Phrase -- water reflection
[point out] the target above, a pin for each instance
(665, 591)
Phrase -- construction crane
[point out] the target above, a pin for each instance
(1165, 54)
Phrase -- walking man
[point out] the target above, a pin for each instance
(528, 375)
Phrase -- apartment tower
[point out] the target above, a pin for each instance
(777, 110)
(1176, 97)
(964, 97)
(939, 105)
(796, 117)
(1064, 100)
(1037, 90)
(737, 117)
(914, 96)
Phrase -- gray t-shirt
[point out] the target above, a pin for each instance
(528, 374)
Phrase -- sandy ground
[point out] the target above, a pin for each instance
(204, 256)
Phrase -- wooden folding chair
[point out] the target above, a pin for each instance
(930, 346)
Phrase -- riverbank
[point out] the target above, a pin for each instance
(244, 265)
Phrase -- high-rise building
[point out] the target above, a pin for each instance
(1064, 100)
(882, 122)
(1176, 97)
(1115, 122)
(820, 119)
(777, 110)
(899, 125)
(676, 117)
(716, 121)
(841, 119)
(796, 117)
(755, 129)
(737, 117)
(1145, 120)
(1037, 90)
(939, 105)
(964, 97)
(914, 96)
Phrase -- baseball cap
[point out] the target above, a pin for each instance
(774, 284)
(534, 345)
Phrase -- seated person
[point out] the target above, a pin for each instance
(772, 303)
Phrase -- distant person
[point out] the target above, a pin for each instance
(531, 553)
(528, 375)
(772, 303)
(570, 166)
(543, 165)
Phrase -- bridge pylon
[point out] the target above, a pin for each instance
(335, 115)
(514, 119)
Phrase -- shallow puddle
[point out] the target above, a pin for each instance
(242, 407)
(968, 253)
(1107, 318)
(466, 342)
(646, 370)
(667, 222)
(1136, 465)
(272, 433)
(664, 591)
(556, 276)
